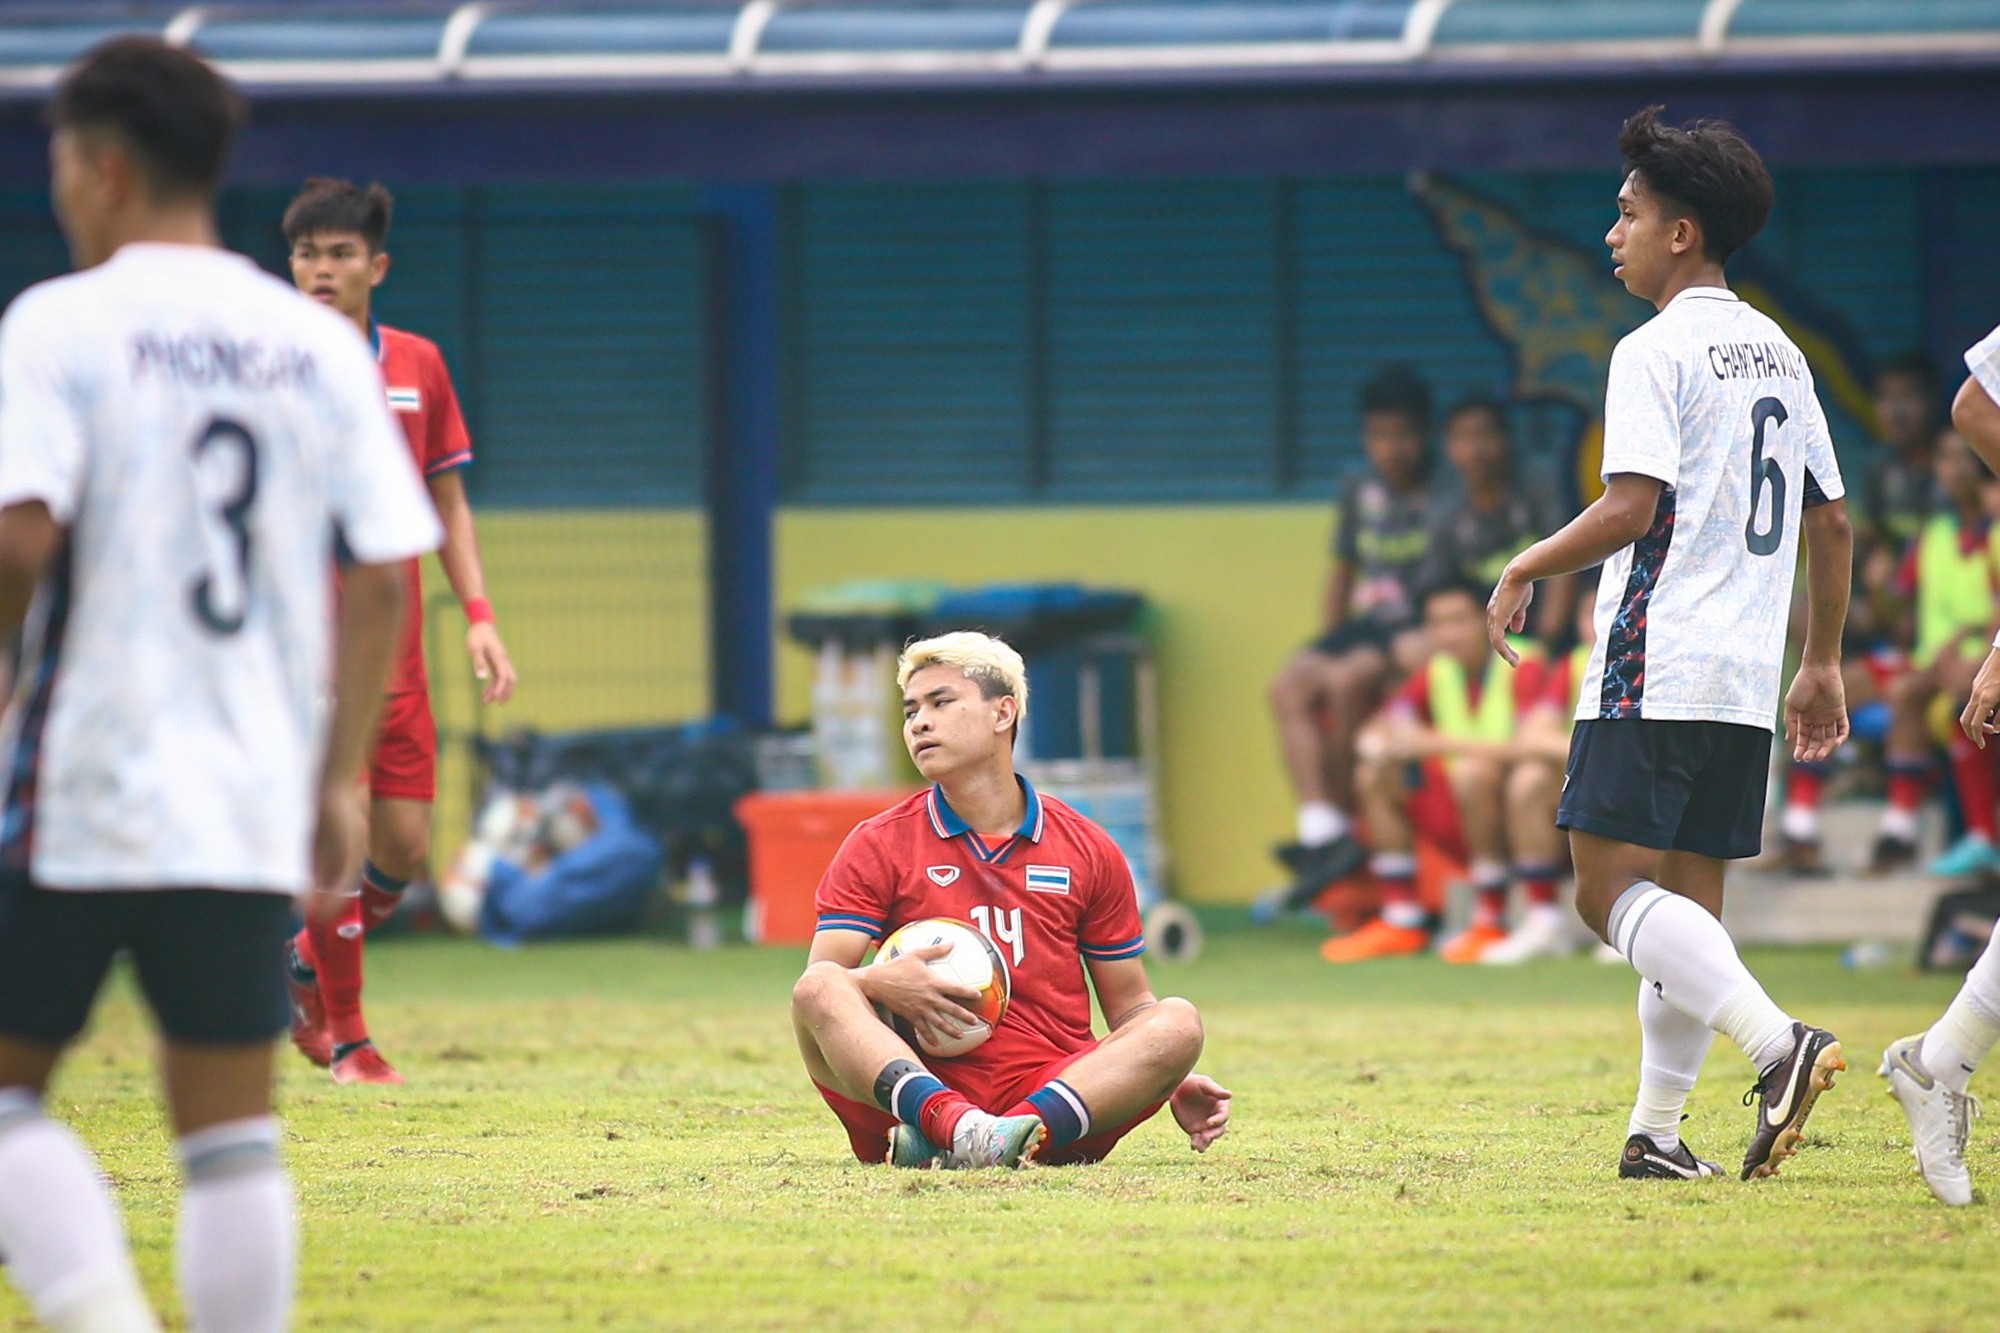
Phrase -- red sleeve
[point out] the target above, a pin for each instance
(856, 890)
(1111, 928)
(1906, 572)
(1559, 690)
(1531, 684)
(1414, 696)
(447, 445)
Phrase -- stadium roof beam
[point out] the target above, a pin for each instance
(574, 46)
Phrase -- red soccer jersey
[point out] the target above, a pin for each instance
(423, 400)
(1054, 894)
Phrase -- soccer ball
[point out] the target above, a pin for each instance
(973, 961)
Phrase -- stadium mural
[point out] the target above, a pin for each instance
(1556, 307)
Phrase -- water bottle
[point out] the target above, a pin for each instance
(704, 903)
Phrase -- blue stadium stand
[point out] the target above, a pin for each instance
(435, 44)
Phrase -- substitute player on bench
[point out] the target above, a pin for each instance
(181, 439)
(337, 230)
(1716, 453)
(1053, 893)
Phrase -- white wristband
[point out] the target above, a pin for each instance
(1996, 640)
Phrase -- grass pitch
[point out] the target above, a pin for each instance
(618, 1135)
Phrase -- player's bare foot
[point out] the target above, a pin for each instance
(362, 1063)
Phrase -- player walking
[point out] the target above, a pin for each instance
(337, 230)
(1716, 454)
(1929, 1072)
(181, 438)
(1053, 893)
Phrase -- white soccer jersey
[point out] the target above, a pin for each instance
(1983, 360)
(1713, 399)
(200, 430)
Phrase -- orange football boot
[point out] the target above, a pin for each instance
(1377, 939)
(1471, 944)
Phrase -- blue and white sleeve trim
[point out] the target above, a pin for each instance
(1111, 953)
(867, 925)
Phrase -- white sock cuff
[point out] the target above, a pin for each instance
(1630, 912)
(1670, 1080)
(230, 1149)
(1487, 873)
(1395, 865)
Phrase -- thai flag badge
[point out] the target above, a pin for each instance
(405, 400)
(1048, 879)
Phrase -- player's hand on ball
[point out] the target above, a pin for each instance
(1977, 719)
(340, 841)
(1201, 1107)
(911, 989)
(490, 663)
(1507, 613)
(1816, 712)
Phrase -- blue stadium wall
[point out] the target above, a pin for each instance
(696, 395)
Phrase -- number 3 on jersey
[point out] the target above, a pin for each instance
(225, 470)
(1765, 474)
(1001, 925)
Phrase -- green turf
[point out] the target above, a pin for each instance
(618, 1135)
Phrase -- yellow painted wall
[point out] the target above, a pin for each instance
(1236, 589)
(605, 613)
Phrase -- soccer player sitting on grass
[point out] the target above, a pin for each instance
(1053, 893)
(1443, 760)
(1950, 574)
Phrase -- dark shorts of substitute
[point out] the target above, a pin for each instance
(1678, 786)
(1354, 636)
(210, 962)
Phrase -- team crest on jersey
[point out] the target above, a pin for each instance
(1048, 879)
(941, 875)
(405, 400)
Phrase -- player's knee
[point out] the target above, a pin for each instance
(1531, 785)
(1179, 1031)
(402, 852)
(814, 988)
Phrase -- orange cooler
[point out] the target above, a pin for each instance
(793, 836)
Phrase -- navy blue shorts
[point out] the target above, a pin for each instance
(1678, 786)
(210, 962)
(1354, 636)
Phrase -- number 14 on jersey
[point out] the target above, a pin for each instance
(1002, 925)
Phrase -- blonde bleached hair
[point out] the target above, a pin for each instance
(990, 663)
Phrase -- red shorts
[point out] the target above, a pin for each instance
(868, 1126)
(1433, 811)
(404, 767)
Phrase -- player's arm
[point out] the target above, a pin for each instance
(1122, 987)
(1339, 594)
(1816, 705)
(1977, 417)
(906, 987)
(460, 557)
(1609, 524)
(29, 535)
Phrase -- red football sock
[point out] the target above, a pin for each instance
(1906, 785)
(1972, 768)
(1539, 882)
(939, 1116)
(1805, 787)
(1491, 909)
(336, 956)
(380, 894)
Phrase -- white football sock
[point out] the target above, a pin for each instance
(59, 1227)
(238, 1236)
(1674, 941)
(1321, 822)
(1970, 1026)
(1900, 824)
(1672, 1046)
(1800, 823)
